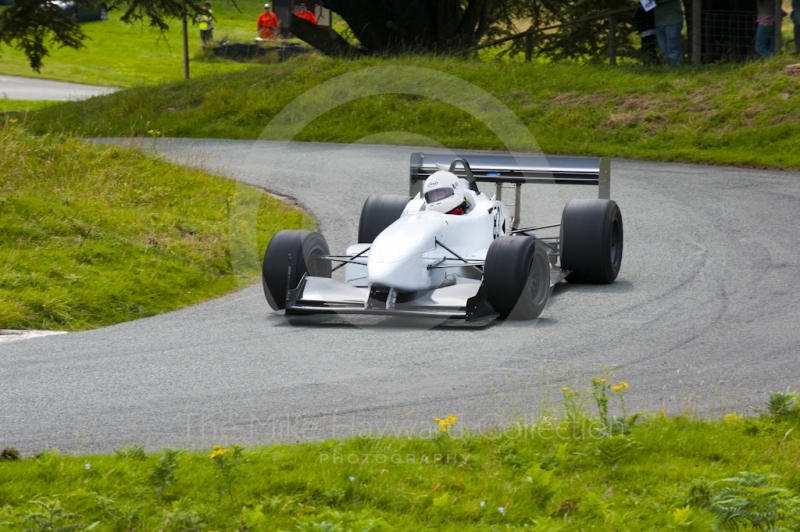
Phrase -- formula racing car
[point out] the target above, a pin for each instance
(448, 250)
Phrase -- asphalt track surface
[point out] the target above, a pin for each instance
(703, 317)
(20, 88)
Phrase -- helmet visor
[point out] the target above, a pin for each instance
(438, 194)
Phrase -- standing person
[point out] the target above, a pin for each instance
(796, 20)
(765, 31)
(646, 26)
(306, 14)
(268, 24)
(669, 23)
(206, 22)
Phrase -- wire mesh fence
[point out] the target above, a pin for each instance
(725, 34)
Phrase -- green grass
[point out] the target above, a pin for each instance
(23, 106)
(661, 474)
(726, 114)
(124, 55)
(91, 235)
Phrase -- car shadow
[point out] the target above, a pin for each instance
(392, 322)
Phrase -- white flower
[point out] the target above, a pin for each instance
(88, 466)
(483, 503)
(501, 510)
(352, 479)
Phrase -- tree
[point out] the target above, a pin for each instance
(396, 26)
(36, 26)
(581, 39)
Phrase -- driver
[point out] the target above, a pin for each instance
(443, 193)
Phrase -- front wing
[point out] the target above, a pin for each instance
(464, 300)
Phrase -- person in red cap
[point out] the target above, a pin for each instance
(306, 14)
(268, 24)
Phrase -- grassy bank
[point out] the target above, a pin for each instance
(23, 106)
(91, 236)
(572, 472)
(124, 55)
(728, 114)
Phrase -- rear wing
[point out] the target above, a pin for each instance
(517, 170)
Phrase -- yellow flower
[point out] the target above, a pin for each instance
(218, 451)
(446, 423)
(602, 381)
(733, 417)
(14, 120)
(565, 389)
(619, 387)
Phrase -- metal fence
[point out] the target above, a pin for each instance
(721, 35)
(725, 35)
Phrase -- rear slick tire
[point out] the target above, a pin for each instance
(591, 241)
(298, 250)
(379, 212)
(517, 277)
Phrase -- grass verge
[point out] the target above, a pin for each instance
(96, 235)
(24, 106)
(725, 114)
(126, 55)
(658, 474)
(123, 55)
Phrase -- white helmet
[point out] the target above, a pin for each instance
(442, 192)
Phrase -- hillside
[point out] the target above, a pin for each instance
(727, 114)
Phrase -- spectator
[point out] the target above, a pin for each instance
(796, 20)
(206, 22)
(765, 31)
(306, 14)
(646, 26)
(268, 24)
(669, 23)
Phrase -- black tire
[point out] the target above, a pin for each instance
(303, 247)
(378, 213)
(517, 277)
(591, 240)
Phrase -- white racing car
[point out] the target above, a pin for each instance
(450, 251)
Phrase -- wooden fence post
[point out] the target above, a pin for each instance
(185, 41)
(612, 39)
(778, 25)
(697, 32)
(528, 47)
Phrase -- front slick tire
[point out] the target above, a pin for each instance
(517, 277)
(300, 250)
(591, 240)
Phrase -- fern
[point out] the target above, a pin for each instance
(751, 500)
(784, 406)
(542, 485)
(51, 517)
(134, 452)
(333, 521)
(614, 450)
